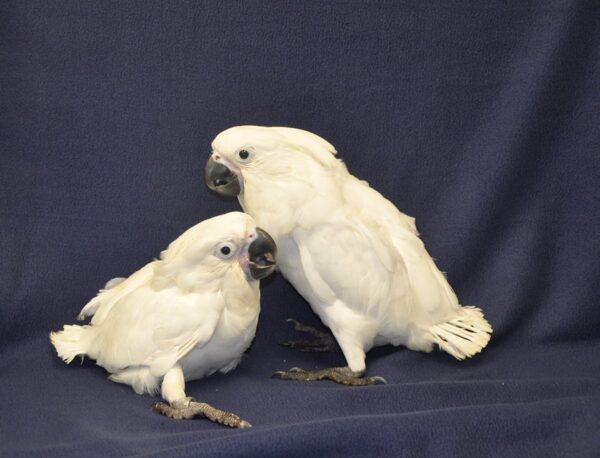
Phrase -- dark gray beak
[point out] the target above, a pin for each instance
(262, 253)
(222, 180)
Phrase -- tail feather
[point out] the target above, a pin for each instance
(465, 335)
(72, 341)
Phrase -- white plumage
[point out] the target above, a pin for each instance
(350, 253)
(182, 317)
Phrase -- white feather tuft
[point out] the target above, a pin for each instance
(72, 341)
(464, 335)
(140, 379)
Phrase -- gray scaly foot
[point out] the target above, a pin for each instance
(189, 408)
(323, 341)
(342, 375)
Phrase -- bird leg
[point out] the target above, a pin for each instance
(181, 407)
(323, 341)
(188, 408)
(342, 375)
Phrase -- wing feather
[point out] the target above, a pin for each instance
(99, 307)
(431, 293)
(156, 328)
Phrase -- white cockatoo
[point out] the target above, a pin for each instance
(182, 317)
(349, 252)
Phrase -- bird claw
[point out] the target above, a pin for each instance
(278, 374)
(296, 373)
(286, 375)
(378, 380)
(243, 424)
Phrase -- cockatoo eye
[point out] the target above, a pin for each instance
(225, 250)
(244, 154)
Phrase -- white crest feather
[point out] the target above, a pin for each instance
(317, 147)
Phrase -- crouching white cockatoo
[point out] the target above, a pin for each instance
(182, 317)
(348, 251)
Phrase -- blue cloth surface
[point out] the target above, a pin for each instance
(481, 119)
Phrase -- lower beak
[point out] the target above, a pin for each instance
(221, 179)
(261, 253)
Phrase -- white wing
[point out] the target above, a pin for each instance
(101, 305)
(159, 272)
(155, 328)
(431, 295)
(353, 262)
(370, 205)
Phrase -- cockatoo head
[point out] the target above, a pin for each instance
(219, 246)
(253, 153)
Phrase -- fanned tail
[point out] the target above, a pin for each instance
(72, 341)
(464, 335)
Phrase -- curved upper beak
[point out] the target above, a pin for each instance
(262, 253)
(222, 179)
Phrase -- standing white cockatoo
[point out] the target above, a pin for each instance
(348, 251)
(182, 317)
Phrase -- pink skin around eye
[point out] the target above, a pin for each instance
(243, 257)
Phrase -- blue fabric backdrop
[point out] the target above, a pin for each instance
(481, 119)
